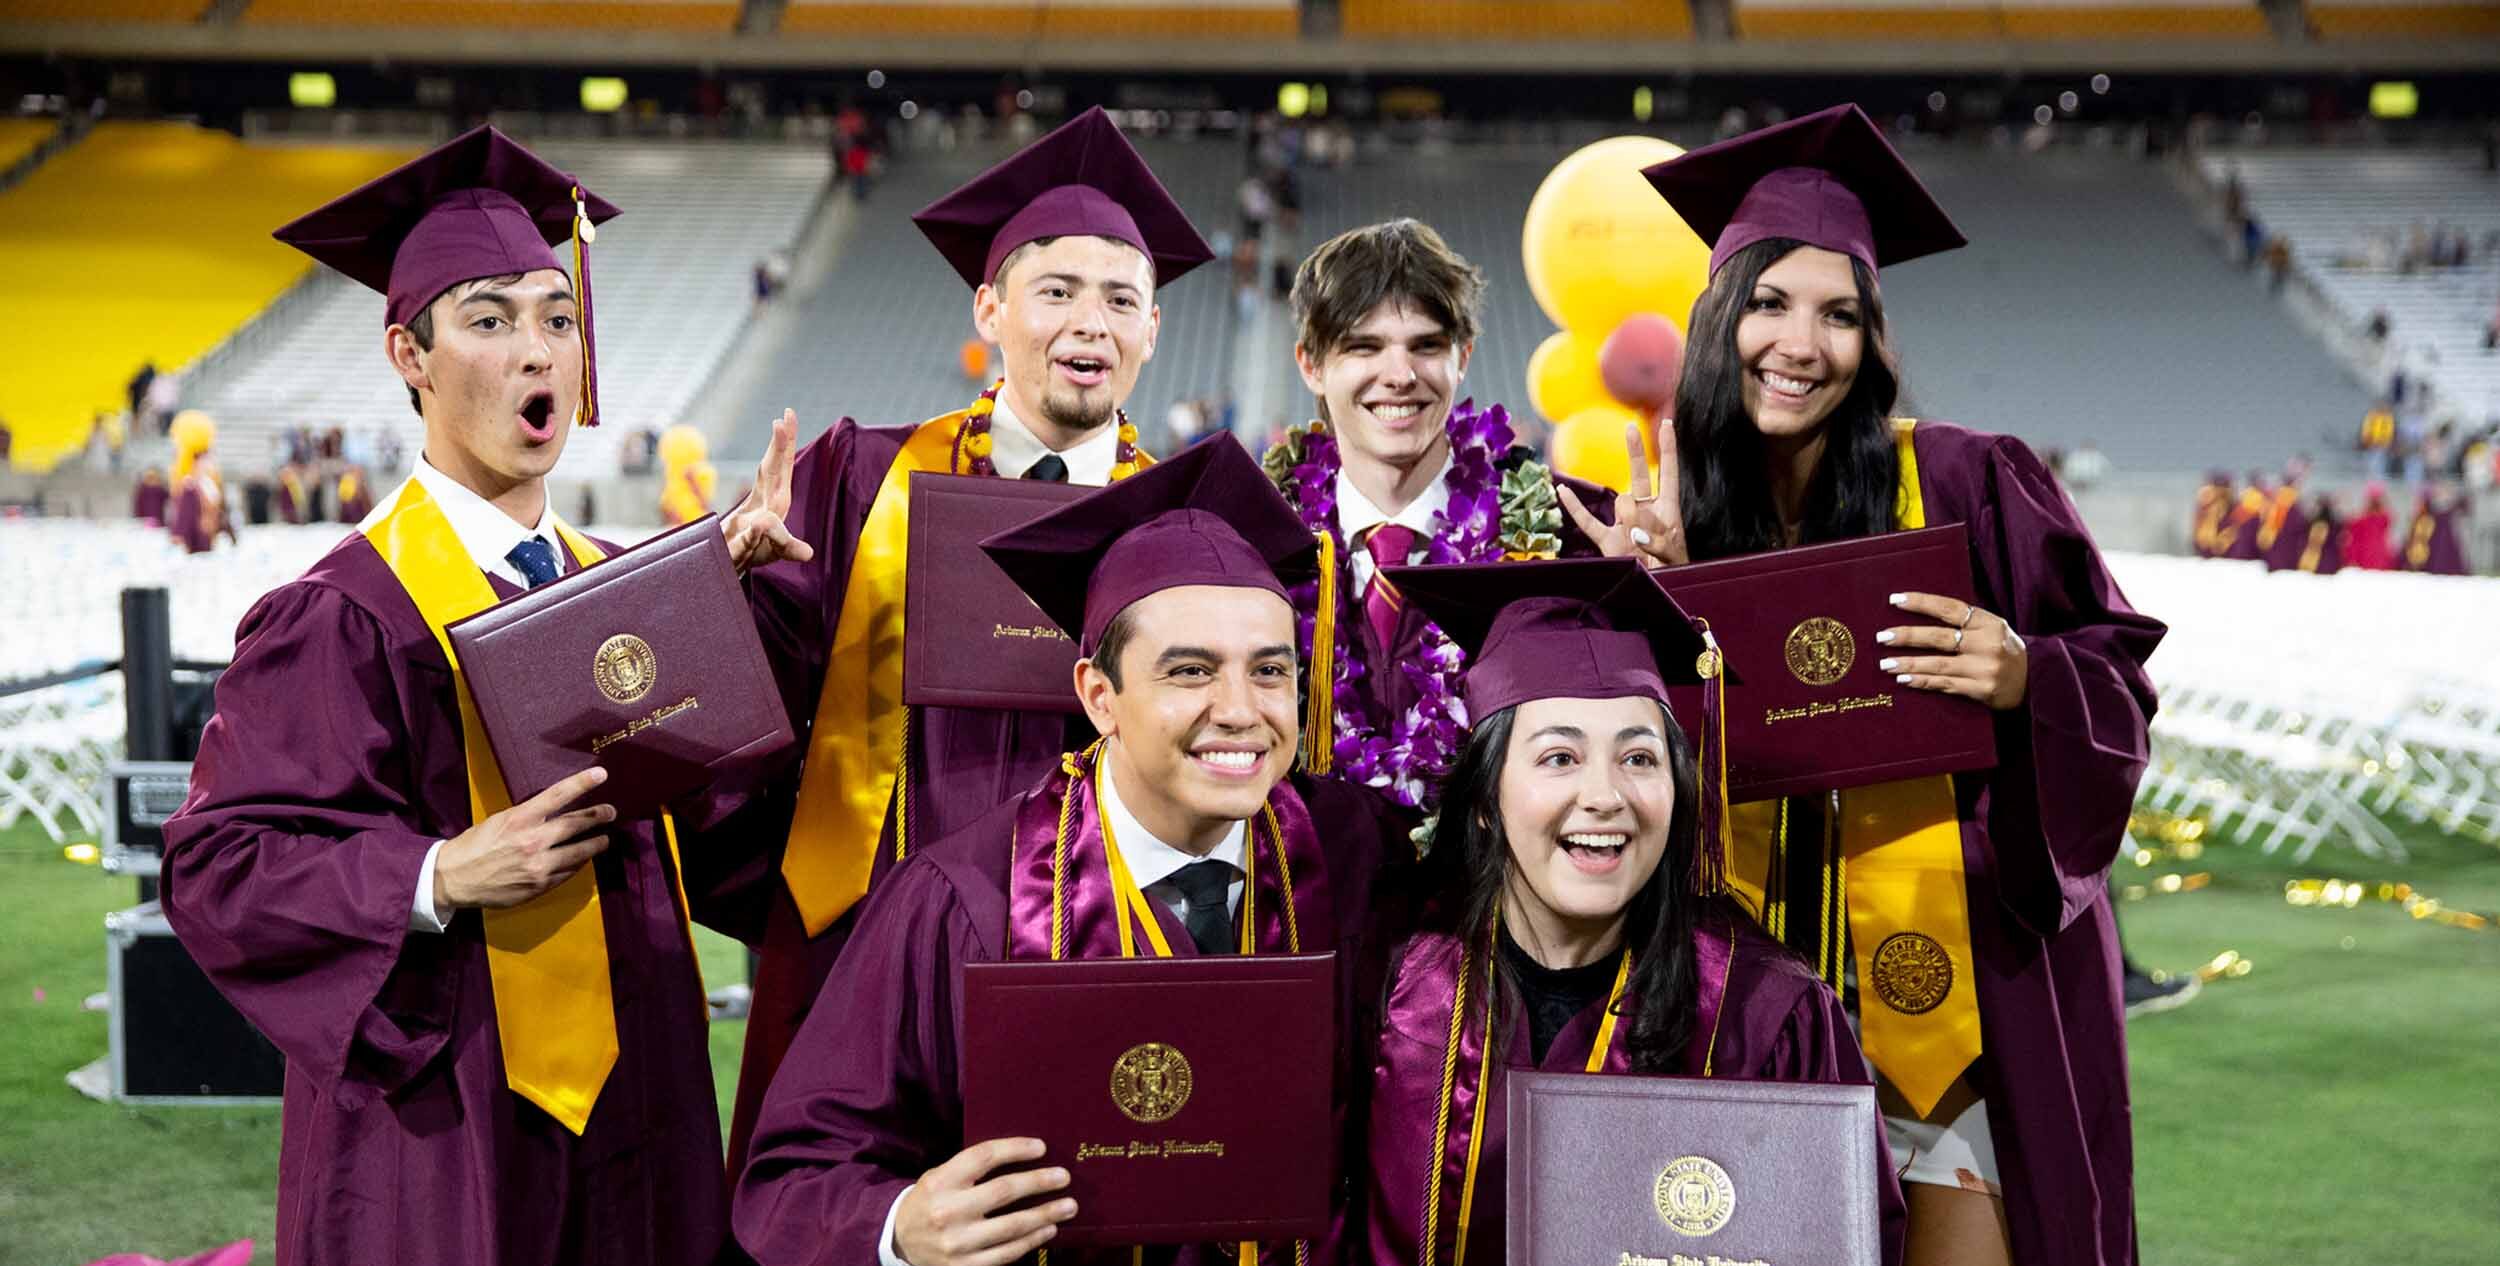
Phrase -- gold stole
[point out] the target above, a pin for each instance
(548, 957)
(1898, 872)
(2418, 541)
(2316, 548)
(2272, 525)
(856, 749)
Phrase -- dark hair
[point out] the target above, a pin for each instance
(1726, 480)
(1360, 269)
(421, 326)
(1470, 864)
(1114, 640)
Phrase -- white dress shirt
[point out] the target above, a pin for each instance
(1014, 448)
(487, 534)
(1151, 863)
(1356, 515)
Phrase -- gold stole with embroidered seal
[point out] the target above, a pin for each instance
(1893, 892)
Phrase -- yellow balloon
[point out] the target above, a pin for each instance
(1589, 445)
(682, 445)
(191, 431)
(1600, 244)
(1563, 377)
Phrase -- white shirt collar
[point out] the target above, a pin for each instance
(486, 532)
(1150, 860)
(1014, 448)
(1356, 515)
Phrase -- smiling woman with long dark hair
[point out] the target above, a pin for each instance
(1572, 922)
(1966, 919)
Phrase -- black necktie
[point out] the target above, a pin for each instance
(1203, 886)
(1050, 470)
(535, 559)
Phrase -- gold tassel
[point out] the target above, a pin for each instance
(1319, 739)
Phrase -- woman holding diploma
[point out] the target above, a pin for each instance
(1571, 921)
(1965, 918)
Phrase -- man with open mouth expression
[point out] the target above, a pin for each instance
(1064, 246)
(491, 1013)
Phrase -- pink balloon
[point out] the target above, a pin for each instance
(1640, 361)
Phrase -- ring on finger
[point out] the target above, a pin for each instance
(1967, 612)
(1957, 641)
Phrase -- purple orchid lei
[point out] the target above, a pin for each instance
(1406, 755)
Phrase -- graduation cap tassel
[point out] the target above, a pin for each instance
(1711, 853)
(1319, 737)
(584, 233)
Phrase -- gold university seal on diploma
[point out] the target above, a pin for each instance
(1694, 1196)
(624, 668)
(1912, 972)
(1820, 651)
(1150, 1082)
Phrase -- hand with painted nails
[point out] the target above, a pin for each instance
(755, 530)
(1649, 519)
(1973, 653)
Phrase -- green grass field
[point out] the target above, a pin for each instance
(2334, 1105)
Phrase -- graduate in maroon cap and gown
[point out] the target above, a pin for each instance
(1170, 583)
(2322, 552)
(1064, 245)
(2243, 527)
(1569, 873)
(492, 1017)
(2283, 534)
(149, 496)
(200, 514)
(2435, 539)
(2005, 1092)
(2213, 500)
(1398, 469)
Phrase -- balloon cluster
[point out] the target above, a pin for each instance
(192, 432)
(1616, 268)
(687, 477)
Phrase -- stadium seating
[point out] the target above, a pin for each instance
(2403, 19)
(107, 10)
(587, 15)
(1998, 19)
(143, 242)
(883, 333)
(671, 278)
(1516, 19)
(1045, 19)
(2329, 202)
(22, 137)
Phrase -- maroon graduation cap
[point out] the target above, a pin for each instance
(1583, 628)
(478, 206)
(1084, 178)
(1827, 179)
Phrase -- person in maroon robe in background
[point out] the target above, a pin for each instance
(2243, 527)
(200, 513)
(1784, 436)
(2322, 553)
(2435, 539)
(2213, 500)
(2366, 536)
(1064, 245)
(1615, 958)
(1171, 585)
(354, 495)
(2283, 535)
(149, 496)
(323, 869)
(292, 495)
(1398, 470)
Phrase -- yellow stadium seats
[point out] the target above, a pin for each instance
(144, 242)
(106, 10)
(19, 137)
(1999, 19)
(1518, 19)
(1227, 19)
(587, 15)
(2402, 19)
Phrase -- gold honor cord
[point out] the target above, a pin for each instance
(1596, 1062)
(547, 959)
(1129, 903)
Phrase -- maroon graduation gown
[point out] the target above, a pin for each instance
(1778, 1023)
(148, 500)
(194, 521)
(2435, 542)
(2038, 835)
(869, 1098)
(965, 761)
(333, 762)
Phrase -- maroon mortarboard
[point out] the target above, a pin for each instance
(479, 206)
(1828, 179)
(1584, 628)
(1084, 178)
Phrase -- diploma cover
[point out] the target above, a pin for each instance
(1188, 1098)
(1648, 1171)
(646, 663)
(1807, 709)
(971, 639)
